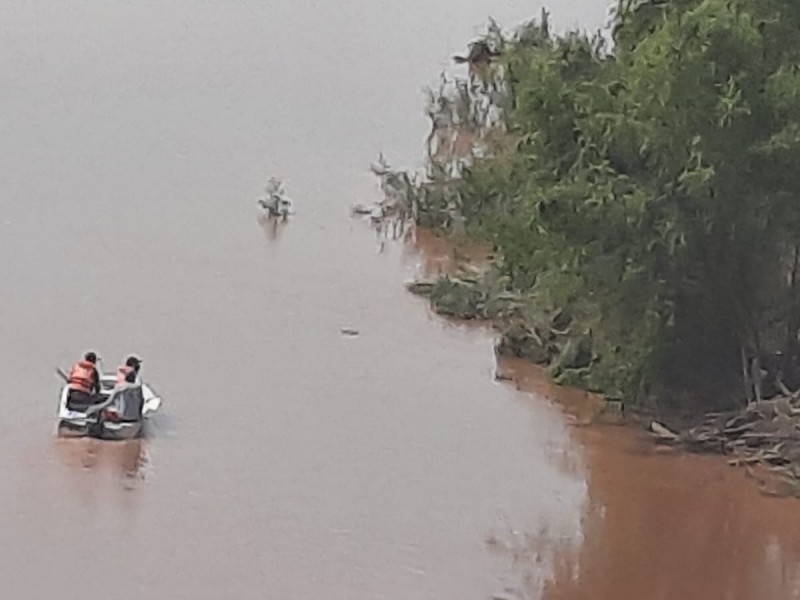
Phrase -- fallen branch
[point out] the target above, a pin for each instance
(661, 432)
(765, 433)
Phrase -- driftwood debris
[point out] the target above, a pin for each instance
(765, 434)
(661, 432)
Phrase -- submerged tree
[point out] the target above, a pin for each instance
(276, 202)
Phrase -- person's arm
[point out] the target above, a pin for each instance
(97, 387)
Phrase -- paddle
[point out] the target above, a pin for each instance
(63, 375)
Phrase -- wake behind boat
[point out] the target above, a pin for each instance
(104, 419)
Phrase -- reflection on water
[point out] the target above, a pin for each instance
(436, 256)
(676, 526)
(655, 523)
(659, 524)
(536, 555)
(273, 226)
(128, 459)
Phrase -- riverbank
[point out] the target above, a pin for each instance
(660, 522)
(763, 437)
(632, 262)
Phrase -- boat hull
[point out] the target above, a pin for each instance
(104, 431)
(77, 423)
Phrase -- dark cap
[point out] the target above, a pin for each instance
(90, 356)
(133, 361)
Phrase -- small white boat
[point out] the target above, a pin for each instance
(103, 420)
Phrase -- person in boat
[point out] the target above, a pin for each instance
(83, 382)
(127, 397)
(132, 364)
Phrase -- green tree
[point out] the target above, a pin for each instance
(650, 192)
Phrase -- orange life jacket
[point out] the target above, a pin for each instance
(81, 376)
(122, 372)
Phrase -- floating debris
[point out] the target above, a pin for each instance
(662, 432)
(361, 210)
(349, 331)
(765, 434)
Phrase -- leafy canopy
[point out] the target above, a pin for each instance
(650, 191)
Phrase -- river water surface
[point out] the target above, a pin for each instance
(290, 460)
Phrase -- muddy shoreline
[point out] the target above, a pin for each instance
(766, 443)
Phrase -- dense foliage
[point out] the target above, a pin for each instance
(647, 191)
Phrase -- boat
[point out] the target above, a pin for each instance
(101, 420)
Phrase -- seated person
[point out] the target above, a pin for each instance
(132, 363)
(83, 382)
(127, 398)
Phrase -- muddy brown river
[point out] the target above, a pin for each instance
(289, 460)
